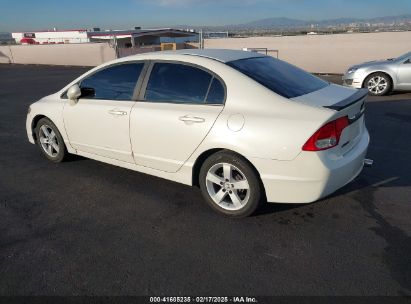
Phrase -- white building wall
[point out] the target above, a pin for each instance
(325, 53)
(78, 54)
(77, 36)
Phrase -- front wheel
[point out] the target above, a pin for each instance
(378, 84)
(50, 141)
(230, 185)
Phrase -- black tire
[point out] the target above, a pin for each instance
(385, 78)
(57, 156)
(240, 169)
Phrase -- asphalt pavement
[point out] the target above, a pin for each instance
(87, 228)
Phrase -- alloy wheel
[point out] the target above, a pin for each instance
(377, 85)
(227, 186)
(49, 141)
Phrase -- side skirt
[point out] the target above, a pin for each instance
(183, 176)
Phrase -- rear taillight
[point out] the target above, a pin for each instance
(327, 136)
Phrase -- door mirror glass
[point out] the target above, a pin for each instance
(74, 92)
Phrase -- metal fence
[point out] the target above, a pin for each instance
(266, 51)
(123, 52)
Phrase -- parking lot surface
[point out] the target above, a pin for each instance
(87, 228)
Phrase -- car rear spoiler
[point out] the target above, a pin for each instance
(357, 96)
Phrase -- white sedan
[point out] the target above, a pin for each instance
(242, 126)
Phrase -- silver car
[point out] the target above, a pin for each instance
(381, 77)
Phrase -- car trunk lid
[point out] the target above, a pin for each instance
(345, 102)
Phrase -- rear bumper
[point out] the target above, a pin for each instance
(311, 175)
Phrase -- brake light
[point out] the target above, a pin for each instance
(327, 136)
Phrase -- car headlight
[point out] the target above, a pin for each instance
(351, 70)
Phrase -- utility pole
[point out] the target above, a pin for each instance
(201, 38)
(115, 46)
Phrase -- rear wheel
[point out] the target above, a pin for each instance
(50, 141)
(230, 185)
(378, 84)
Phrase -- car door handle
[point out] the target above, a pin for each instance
(191, 119)
(117, 112)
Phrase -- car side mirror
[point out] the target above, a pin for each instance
(74, 93)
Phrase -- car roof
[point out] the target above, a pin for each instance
(221, 55)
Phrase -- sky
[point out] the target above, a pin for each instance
(21, 15)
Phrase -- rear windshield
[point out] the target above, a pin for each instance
(279, 76)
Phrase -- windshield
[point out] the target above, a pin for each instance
(279, 76)
(405, 56)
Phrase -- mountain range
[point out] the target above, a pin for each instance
(287, 22)
(284, 22)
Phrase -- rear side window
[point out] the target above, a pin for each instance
(171, 82)
(216, 94)
(279, 76)
(113, 83)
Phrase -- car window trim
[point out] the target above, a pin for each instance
(136, 88)
(141, 78)
(143, 89)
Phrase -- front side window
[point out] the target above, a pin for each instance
(171, 82)
(113, 83)
(279, 76)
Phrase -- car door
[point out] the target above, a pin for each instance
(404, 74)
(98, 122)
(178, 105)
